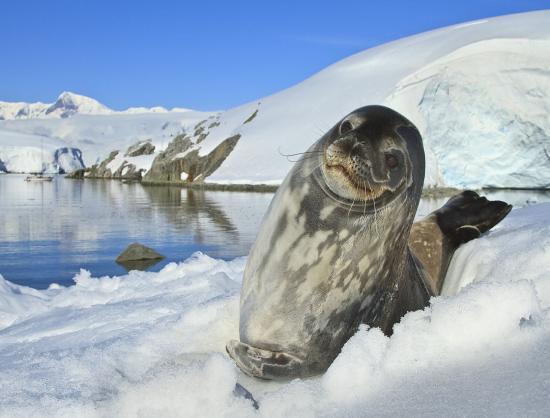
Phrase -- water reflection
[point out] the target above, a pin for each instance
(48, 231)
(194, 207)
(68, 224)
(138, 264)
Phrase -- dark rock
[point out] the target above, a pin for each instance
(251, 117)
(140, 148)
(138, 252)
(101, 170)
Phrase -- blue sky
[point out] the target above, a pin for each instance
(202, 54)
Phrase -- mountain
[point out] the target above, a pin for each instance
(69, 104)
(479, 92)
(66, 105)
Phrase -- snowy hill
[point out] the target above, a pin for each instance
(479, 92)
(152, 344)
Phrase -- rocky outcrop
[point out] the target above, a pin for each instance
(102, 170)
(251, 117)
(182, 162)
(3, 168)
(140, 148)
(122, 171)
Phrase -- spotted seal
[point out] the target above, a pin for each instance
(335, 248)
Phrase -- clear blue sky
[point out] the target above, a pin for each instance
(201, 54)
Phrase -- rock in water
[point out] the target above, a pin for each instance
(137, 251)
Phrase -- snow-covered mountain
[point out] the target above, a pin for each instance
(76, 128)
(479, 93)
(67, 105)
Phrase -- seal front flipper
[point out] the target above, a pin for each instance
(264, 364)
(467, 215)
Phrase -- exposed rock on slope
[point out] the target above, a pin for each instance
(180, 162)
(184, 160)
(116, 166)
(141, 148)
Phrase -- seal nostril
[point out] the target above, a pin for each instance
(345, 127)
(391, 161)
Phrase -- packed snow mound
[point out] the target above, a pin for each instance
(23, 153)
(152, 344)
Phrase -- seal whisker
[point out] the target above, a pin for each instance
(305, 154)
(375, 220)
(351, 206)
(365, 202)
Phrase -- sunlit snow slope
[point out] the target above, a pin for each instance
(479, 92)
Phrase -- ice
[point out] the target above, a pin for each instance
(152, 344)
(27, 153)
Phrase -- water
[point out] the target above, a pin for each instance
(48, 231)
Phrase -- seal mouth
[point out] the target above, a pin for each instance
(347, 178)
(364, 190)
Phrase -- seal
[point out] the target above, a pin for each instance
(337, 246)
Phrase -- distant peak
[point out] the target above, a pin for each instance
(68, 104)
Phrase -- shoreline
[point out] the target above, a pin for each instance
(433, 192)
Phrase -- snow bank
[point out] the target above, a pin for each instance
(152, 344)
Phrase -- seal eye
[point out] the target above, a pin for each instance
(391, 161)
(345, 127)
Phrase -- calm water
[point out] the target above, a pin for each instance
(48, 231)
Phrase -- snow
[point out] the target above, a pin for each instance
(478, 92)
(152, 344)
(24, 153)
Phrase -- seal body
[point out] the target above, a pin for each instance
(332, 250)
